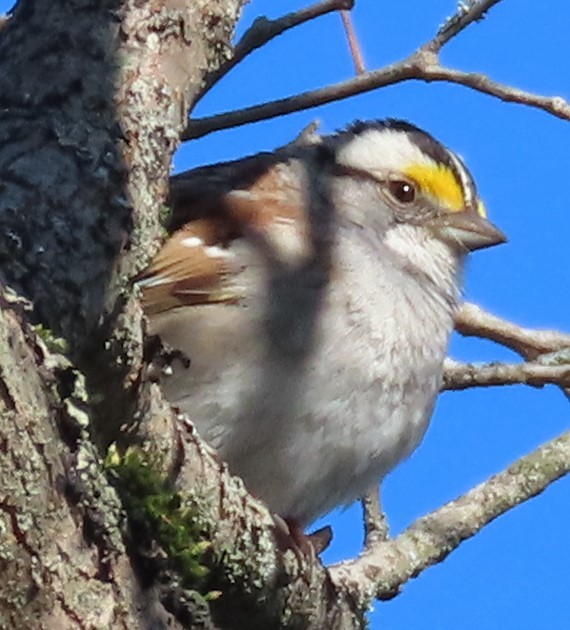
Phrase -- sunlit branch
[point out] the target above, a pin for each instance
(467, 13)
(381, 570)
(458, 376)
(473, 321)
(362, 83)
(375, 521)
(423, 65)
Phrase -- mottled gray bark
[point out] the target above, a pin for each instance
(93, 96)
(58, 569)
(64, 209)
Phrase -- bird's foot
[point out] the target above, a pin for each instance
(307, 547)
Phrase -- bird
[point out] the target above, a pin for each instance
(314, 289)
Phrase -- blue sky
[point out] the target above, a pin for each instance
(515, 573)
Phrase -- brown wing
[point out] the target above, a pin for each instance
(193, 267)
(199, 263)
(261, 196)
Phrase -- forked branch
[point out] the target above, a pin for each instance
(473, 321)
(423, 65)
(264, 30)
(547, 354)
(382, 569)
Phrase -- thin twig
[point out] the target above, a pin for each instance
(419, 66)
(389, 75)
(467, 13)
(375, 522)
(381, 570)
(554, 105)
(354, 46)
(458, 376)
(264, 30)
(547, 348)
(473, 321)
(422, 65)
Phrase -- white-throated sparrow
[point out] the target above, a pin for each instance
(314, 289)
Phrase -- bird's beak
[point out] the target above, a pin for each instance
(468, 230)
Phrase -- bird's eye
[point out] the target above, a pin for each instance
(402, 191)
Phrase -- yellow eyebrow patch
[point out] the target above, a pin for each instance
(439, 182)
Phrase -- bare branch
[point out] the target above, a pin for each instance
(422, 65)
(467, 13)
(354, 46)
(458, 376)
(263, 31)
(554, 105)
(389, 75)
(375, 521)
(473, 321)
(381, 570)
(548, 350)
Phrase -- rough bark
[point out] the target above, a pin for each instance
(63, 561)
(93, 95)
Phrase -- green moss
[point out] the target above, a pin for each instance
(54, 344)
(164, 214)
(151, 502)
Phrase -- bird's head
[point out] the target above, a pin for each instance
(404, 181)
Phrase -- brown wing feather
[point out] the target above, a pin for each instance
(197, 264)
(192, 268)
